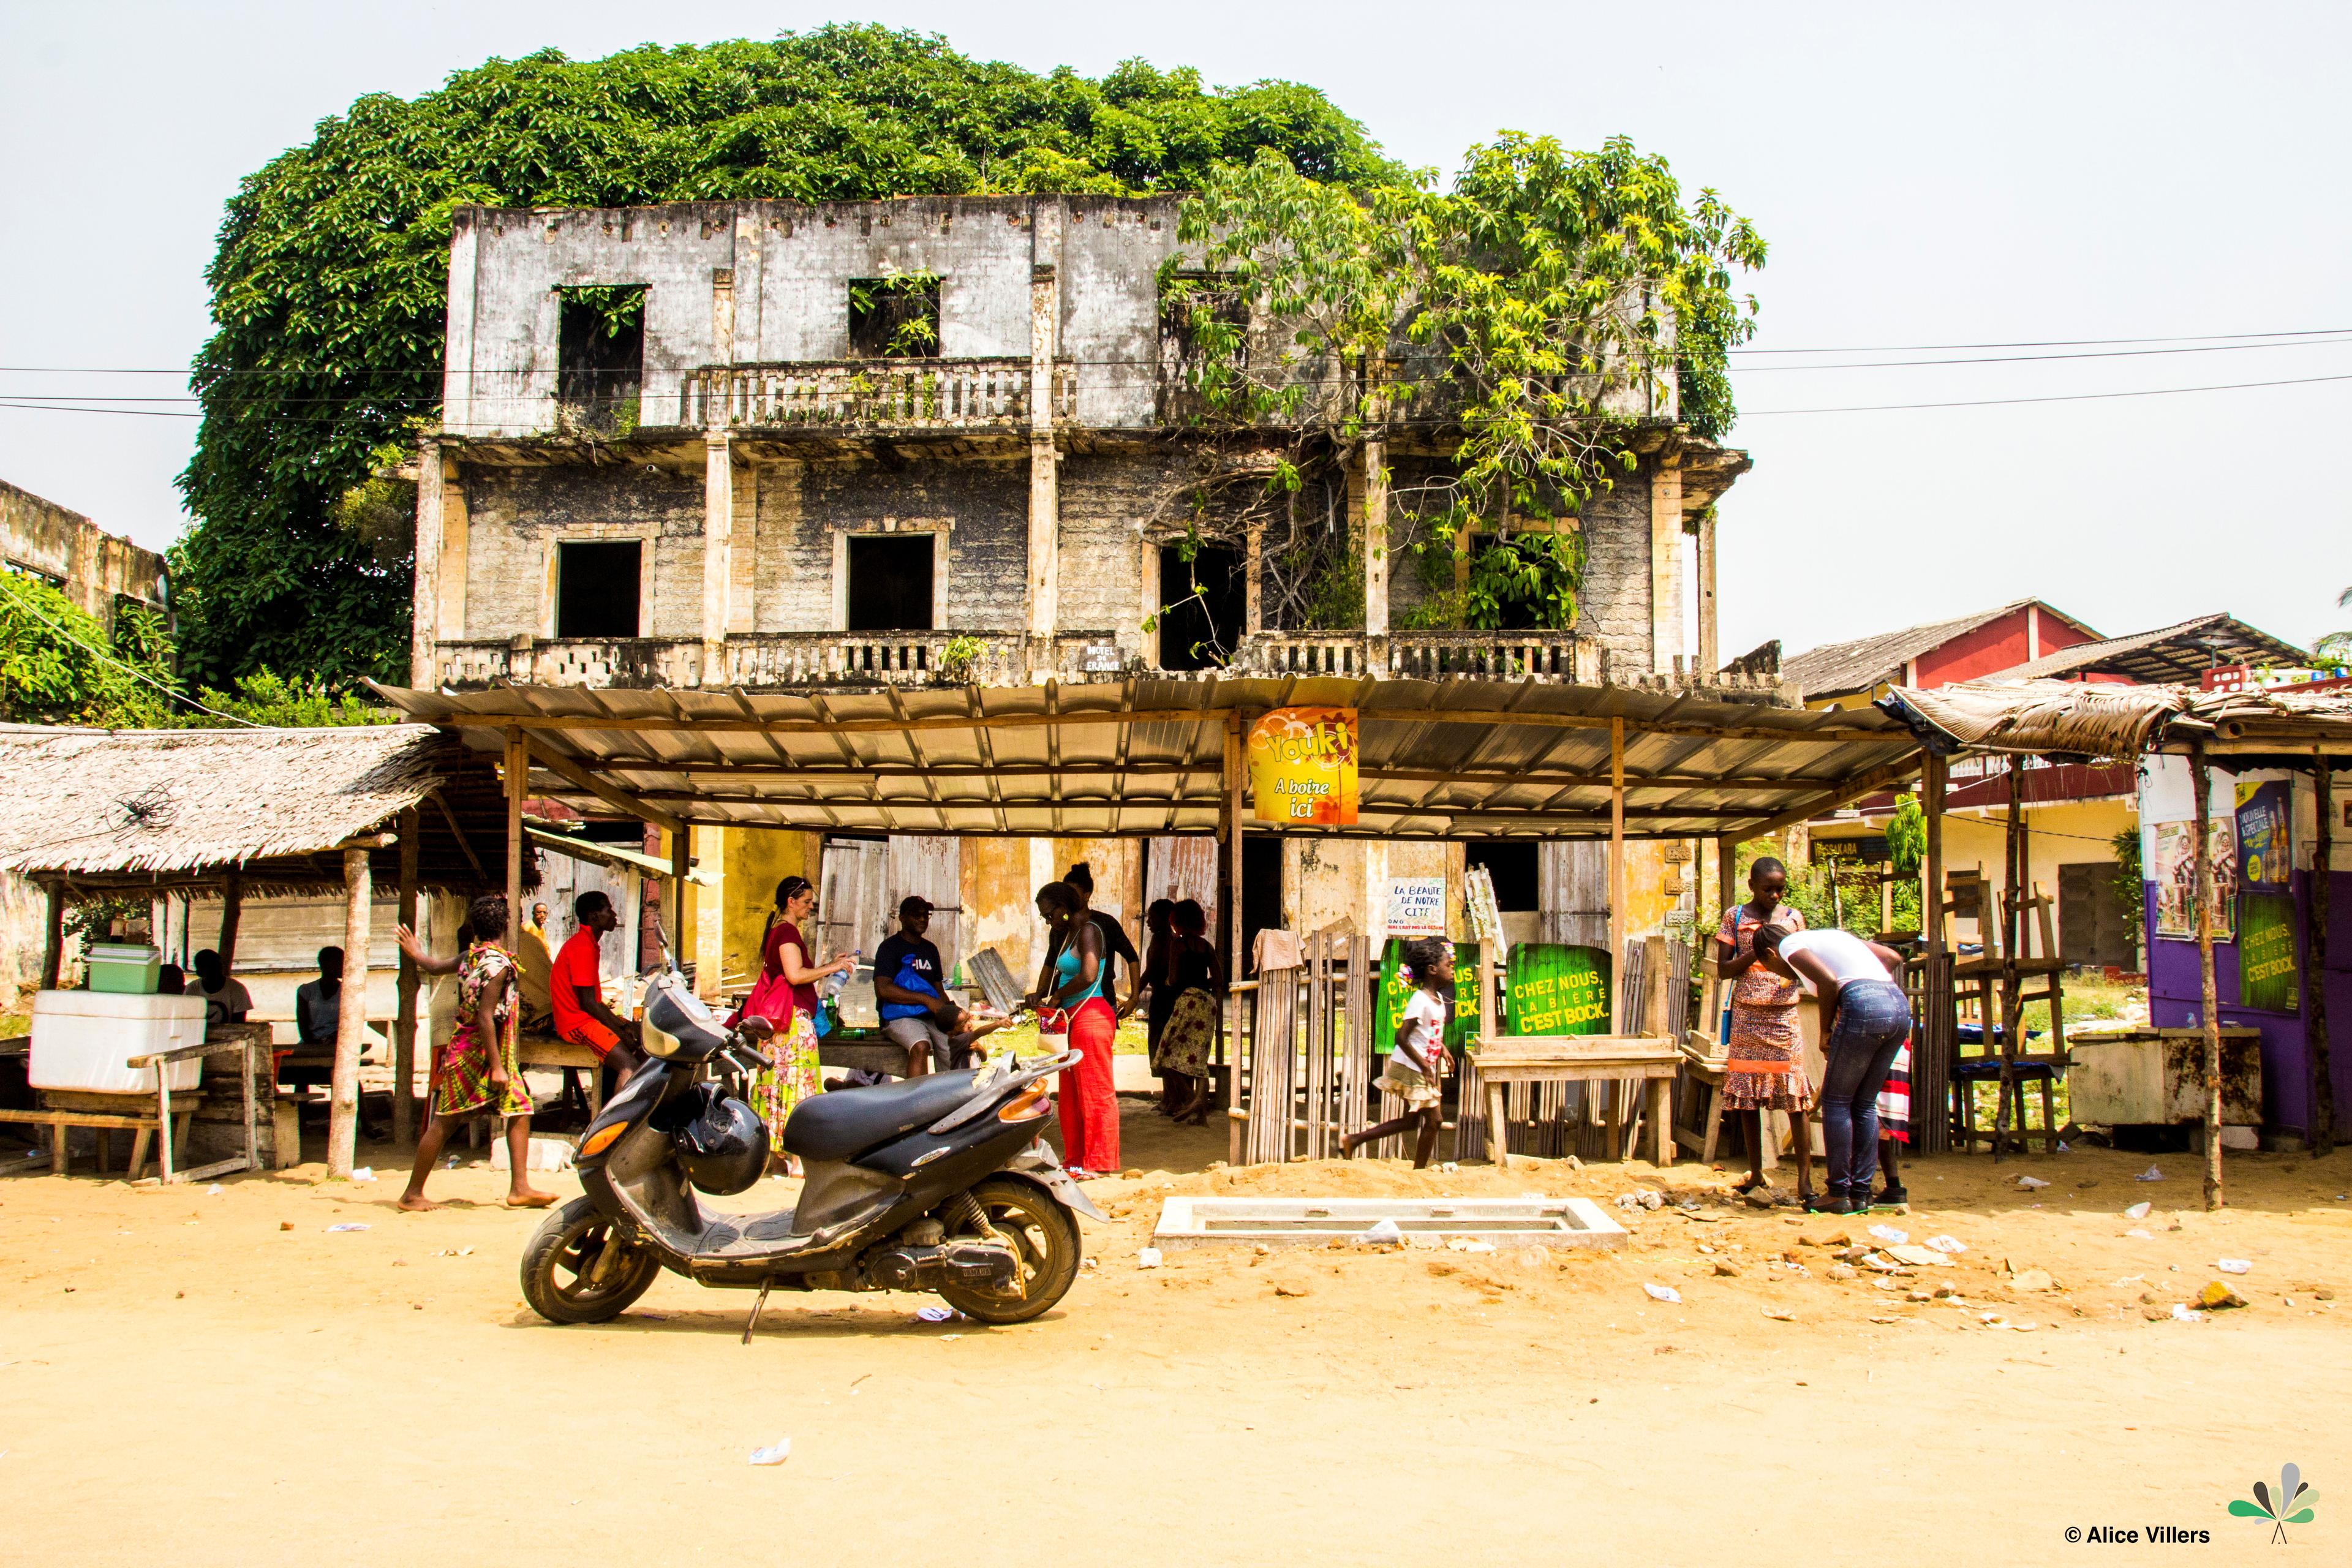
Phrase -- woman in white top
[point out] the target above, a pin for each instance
(1419, 1061)
(1866, 1018)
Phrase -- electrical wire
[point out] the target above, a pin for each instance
(2038, 359)
(2066, 397)
(2044, 344)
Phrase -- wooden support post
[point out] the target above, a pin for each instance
(1229, 869)
(517, 783)
(1726, 874)
(2320, 1137)
(1933, 1033)
(1618, 893)
(351, 1017)
(404, 1028)
(681, 847)
(53, 936)
(232, 907)
(2007, 1097)
(2201, 783)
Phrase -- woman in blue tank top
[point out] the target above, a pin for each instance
(1089, 1103)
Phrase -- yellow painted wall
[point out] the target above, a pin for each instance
(2060, 834)
(754, 859)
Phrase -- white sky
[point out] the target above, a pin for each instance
(1991, 174)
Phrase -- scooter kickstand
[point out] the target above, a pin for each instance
(765, 1286)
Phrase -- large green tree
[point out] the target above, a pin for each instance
(330, 281)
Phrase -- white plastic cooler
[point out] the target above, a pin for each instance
(81, 1039)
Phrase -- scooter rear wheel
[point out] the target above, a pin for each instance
(1044, 1234)
(560, 1266)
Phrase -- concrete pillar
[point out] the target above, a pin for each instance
(1044, 459)
(709, 912)
(1667, 564)
(425, 608)
(1710, 651)
(749, 274)
(718, 565)
(1376, 539)
(403, 1029)
(351, 1017)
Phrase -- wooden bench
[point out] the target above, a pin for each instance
(1652, 1059)
(66, 1109)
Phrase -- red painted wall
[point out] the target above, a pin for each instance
(1997, 645)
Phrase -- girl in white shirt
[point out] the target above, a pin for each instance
(1419, 1061)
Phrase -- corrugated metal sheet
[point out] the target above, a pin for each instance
(1463, 758)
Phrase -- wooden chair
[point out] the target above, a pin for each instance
(1999, 982)
(1705, 1065)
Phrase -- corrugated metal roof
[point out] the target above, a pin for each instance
(2178, 652)
(1456, 758)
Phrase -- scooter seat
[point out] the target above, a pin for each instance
(843, 1123)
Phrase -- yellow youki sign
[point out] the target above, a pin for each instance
(1303, 766)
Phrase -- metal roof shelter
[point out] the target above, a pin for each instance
(1148, 755)
(2180, 652)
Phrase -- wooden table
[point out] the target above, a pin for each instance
(1580, 1058)
(66, 1109)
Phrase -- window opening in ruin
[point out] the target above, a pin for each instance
(1512, 865)
(1202, 317)
(599, 357)
(890, 583)
(1203, 604)
(895, 318)
(597, 587)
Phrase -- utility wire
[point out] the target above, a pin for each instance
(2038, 359)
(131, 670)
(2045, 343)
(2067, 397)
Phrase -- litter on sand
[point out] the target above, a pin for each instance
(214, 1191)
(1947, 1244)
(2233, 1265)
(1665, 1293)
(2032, 1182)
(1386, 1233)
(1470, 1244)
(1781, 1314)
(935, 1314)
(1888, 1233)
(2150, 1175)
(2181, 1310)
(362, 1173)
(773, 1453)
(1147, 1259)
(2137, 1211)
(347, 1224)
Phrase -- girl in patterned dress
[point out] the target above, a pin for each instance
(1765, 1070)
(787, 998)
(476, 1073)
(1894, 1127)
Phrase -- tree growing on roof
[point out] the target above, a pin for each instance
(329, 283)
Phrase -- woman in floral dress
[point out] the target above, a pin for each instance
(786, 996)
(1190, 976)
(1765, 1070)
(476, 1073)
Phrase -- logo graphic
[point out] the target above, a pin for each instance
(2291, 1504)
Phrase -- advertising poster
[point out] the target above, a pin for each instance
(2266, 956)
(1395, 988)
(1302, 766)
(1558, 990)
(2175, 875)
(2265, 836)
(1416, 906)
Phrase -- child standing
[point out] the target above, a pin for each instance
(1419, 1062)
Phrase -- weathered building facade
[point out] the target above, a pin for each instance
(94, 568)
(763, 444)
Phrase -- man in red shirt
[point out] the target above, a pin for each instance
(575, 987)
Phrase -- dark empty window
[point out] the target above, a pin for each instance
(601, 356)
(890, 583)
(1513, 868)
(1203, 603)
(596, 588)
(895, 318)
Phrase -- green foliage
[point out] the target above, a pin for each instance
(1907, 836)
(331, 278)
(2130, 886)
(1532, 308)
(57, 666)
(2336, 647)
(263, 698)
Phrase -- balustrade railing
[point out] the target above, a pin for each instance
(913, 393)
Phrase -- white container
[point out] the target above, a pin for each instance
(82, 1040)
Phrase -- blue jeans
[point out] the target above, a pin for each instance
(1873, 1021)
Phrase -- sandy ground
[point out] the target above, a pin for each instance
(205, 1377)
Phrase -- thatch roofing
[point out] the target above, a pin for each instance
(156, 809)
(2174, 653)
(2080, 718)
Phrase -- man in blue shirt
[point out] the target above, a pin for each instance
(910, 993)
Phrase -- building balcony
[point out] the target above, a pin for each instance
(872, 393)
(785, 660)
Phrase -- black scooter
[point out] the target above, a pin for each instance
(940, 1184)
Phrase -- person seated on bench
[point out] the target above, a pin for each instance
(317, 1020)
(225, 998)
(915, 1010)
(533, 965)
(576, 987)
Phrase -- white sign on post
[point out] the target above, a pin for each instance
(1416, 906)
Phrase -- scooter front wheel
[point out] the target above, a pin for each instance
(576, 1270)
(1042, 1231)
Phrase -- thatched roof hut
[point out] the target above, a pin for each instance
(2086, 719)
(151, 810)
